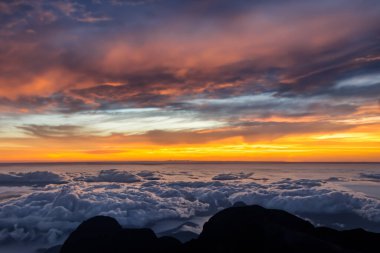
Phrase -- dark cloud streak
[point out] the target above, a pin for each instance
(52, 131)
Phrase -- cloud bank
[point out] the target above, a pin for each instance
(144, 198)
(372, 176)
(111, 176)
(38, 178)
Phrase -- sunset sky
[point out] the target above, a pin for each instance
(220, 80)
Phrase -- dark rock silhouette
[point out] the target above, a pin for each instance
(237, 229)
(104, 234)
(356, 239)
(54, 249)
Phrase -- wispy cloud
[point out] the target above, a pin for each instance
(47, 131)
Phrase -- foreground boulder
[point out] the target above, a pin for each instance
(236, 229)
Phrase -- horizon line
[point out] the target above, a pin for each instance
(174, 162)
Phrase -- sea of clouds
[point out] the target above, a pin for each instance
(59, 202)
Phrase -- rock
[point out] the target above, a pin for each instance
(104, 234)
(355, 239)
(54, 249)
(240, 229)
(93, 235)
(256, 229)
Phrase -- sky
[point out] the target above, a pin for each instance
(219, 80)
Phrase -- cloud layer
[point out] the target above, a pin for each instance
(38, 178)
(145, 198)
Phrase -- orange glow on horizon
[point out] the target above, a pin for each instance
(349, 146)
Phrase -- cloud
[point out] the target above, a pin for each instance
(47, 215)
(48, 131)
(250, 131)
(372, 176)
(149, 175)
(147, 54)
(335, 179)
(79, 12)
(290, 184)
(131, 2)
(232, 176)
(55, 103)
(249, 67)
(269, 104)
(37, 178)
(111, 176)
(359, 81)
(119, 176)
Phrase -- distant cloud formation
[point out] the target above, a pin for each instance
(36, 178)
(221, 64)
(111, 176)
(371, 176)
(232, 176)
